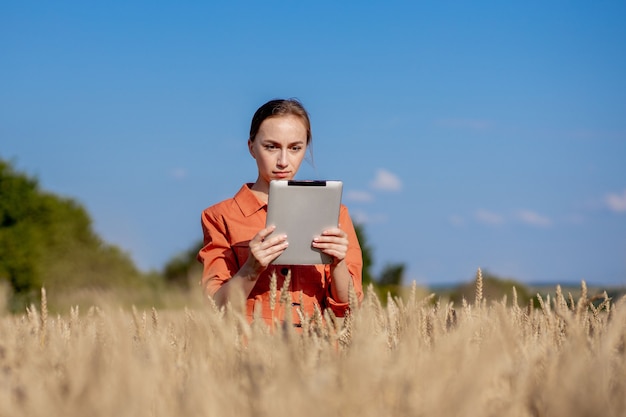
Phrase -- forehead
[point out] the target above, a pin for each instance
(280, 127)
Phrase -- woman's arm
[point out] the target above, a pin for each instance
(334, 242)
(262, 252)
(342, 244)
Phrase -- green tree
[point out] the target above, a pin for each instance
(494, 289)
(18, 235)
(391, 274)
(184, 269)
(367, 252)
(48, 241)
(389, 281)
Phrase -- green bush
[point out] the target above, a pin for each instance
(48, 241)
(494, 289)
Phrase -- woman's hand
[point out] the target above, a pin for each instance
(333, 242)
(264, 249)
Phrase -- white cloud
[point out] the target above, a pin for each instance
(533, 218)
(178, 173)
(488, 217)
(528, 217)
(359, 196)
(456, 220)
(361, 217)
(386, 181)
(616, 202)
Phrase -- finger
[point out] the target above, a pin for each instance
(265, 255)
(269, 246)
(274, 252)
(334, 231)
(331, 247)
(332, 239)
(336, 253)
(263, 233)
(261, 241)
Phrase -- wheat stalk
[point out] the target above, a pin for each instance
(560, 303)
(139, 327)
(582, 301)
(273, 288)
(450, 317)
(479, 288)
(284, 291)
(74, 316)
(352, 298)
(43, 328)
(401, 359)
(318, 323)
(155, 319)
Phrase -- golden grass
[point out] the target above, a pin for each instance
(416, 356)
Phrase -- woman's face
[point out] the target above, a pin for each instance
(279, 148)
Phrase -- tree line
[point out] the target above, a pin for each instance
(49, 241)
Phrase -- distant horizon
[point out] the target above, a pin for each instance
(542, 284)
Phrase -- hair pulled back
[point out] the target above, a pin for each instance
(280, 107)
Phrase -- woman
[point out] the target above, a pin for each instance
(238, 248)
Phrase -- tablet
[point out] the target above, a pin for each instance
(302, 210)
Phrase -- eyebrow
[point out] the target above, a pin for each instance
(273, 142)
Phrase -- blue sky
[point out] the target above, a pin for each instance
(467, 134)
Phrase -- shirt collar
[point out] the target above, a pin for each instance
(248, 202)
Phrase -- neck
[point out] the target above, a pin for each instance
(261, 189)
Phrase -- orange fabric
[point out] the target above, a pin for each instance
(228, 227)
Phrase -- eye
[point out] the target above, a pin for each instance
(296, 148)
(269, 146)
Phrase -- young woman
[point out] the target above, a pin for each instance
(238, 248)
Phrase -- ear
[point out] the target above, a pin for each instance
(251, 148)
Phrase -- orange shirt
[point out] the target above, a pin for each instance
(228, 227)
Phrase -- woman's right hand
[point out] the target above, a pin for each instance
(264, 249)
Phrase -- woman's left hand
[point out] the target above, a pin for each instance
(333, 242)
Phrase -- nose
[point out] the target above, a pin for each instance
(282, 159)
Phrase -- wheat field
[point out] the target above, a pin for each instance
(415, 355)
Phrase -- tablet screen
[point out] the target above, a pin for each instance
(302, 210)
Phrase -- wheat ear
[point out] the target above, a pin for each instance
(44, 317)
(273, 287)
(479, 288)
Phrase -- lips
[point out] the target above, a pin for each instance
(281, 175)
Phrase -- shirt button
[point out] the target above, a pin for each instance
(284, 271)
